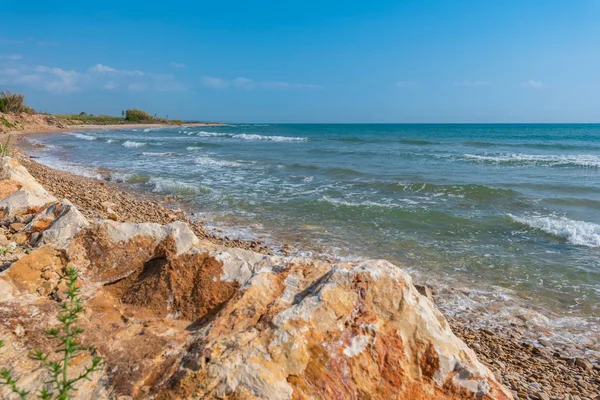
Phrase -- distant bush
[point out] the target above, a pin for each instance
(14, 103)
(91, 119)
(135, 115)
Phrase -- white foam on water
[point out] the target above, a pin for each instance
(192, 148)
(245, 136)
(173, 185)
(575, 232)
(110, 141)
(131, 143)
(211, 162)
(43, 146)
(81, 136)
(211, 134)
(365, 203)
(153, 154)
(580, 160)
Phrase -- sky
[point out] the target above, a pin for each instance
(308, 61)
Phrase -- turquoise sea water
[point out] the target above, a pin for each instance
(508, 213)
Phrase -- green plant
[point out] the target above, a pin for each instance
(135, 115)
(3, 251)
(4, 150)
(12, 102)
(69, 348)
(6, 123)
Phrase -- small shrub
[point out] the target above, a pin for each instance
(62, 386)
(13, 103)
(135, 115)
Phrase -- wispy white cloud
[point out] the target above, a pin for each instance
(214, 82)
(402, 84)
(472, 83)
(249, 84)
(99, 76)
(177, 65)
(106, 70)
(111, 85)
(59, 80)
(533, 84)
(11, 57)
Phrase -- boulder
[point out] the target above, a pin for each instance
(12, 170)
(353, 331)
(21, 202)
(58, 222)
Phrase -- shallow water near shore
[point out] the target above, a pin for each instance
(503, 219)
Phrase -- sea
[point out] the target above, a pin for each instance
(503, 220)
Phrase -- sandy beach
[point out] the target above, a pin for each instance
(534, 371)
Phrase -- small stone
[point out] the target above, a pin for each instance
(583, 364)
(542, 396)
(20, 238)
(17, 227)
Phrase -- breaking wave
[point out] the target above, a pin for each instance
(131, 143)
(575, 232)
(534, 159)
(245, 136)
(81, 136)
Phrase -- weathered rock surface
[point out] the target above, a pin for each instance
(174, 318)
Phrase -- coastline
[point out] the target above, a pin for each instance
(523, 367)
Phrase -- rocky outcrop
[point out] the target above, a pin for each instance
(24, 121)
(174, 317)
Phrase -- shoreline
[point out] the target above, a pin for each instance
(26, 132)
(519, 358)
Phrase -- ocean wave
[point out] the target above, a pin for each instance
(210, 134)
(246, 136)
(557, 146)
(469, 191)
(192, 148)
(110, 141)
(81, 136)
(153, 154)
(131, 143)
(365, 203)
(535, 159)
(211, 162)
(575, 232)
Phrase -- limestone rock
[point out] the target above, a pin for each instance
(58, 222)
(21, 202)
(12, 170)
(353, 331)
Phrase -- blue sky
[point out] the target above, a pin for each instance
(308, 61)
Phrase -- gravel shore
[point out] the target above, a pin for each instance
(531, 372)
